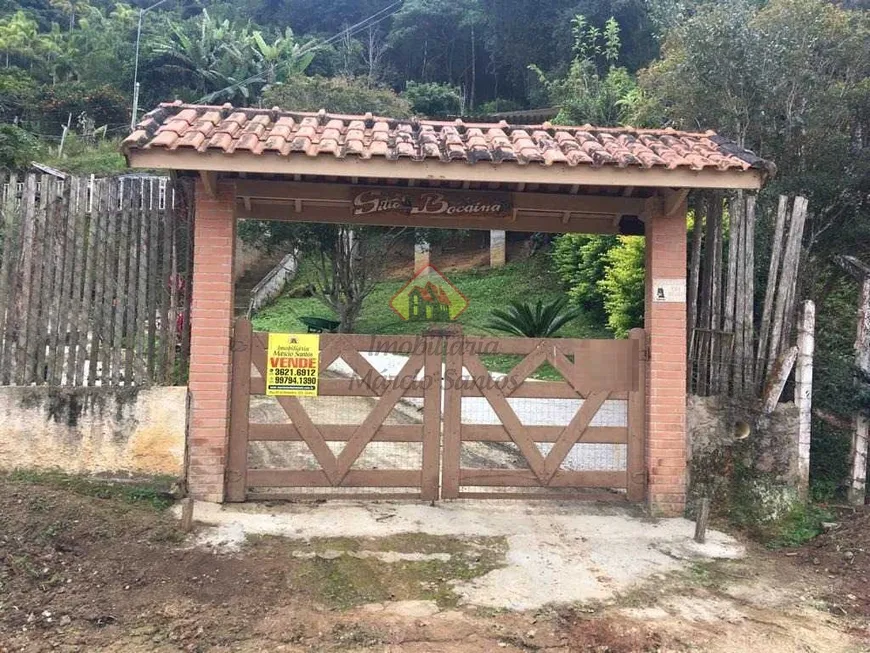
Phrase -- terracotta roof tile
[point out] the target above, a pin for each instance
(290, 133)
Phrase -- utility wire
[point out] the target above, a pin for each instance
(350, 31)
(355, 28)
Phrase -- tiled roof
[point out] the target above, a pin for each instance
(270, 132)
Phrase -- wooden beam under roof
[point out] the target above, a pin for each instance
(505, 172)
(342, 193)
(519, 220)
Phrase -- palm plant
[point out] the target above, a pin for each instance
(539, 320)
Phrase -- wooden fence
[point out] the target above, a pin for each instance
(94, 281)
(731, 353)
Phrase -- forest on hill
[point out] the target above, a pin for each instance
(787, 79)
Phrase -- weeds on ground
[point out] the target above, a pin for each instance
(802, 523)
(150, 494)
(343, 580)
(772, 512)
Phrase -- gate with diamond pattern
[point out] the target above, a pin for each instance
(426, 417)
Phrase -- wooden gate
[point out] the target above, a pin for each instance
(336, 445)
(598, 401)
(372, 432)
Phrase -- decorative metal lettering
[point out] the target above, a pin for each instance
(431, 203)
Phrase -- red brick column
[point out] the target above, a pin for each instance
(665, 322)
(211, 328)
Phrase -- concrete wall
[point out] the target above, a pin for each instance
(274, 282)
(94, 430)
(730, 441)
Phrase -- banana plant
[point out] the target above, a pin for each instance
(283, 58)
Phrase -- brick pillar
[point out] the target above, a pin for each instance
(211, 328)
(665, 322)
(497, 246)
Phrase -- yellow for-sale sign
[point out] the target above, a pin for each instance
(292, 365)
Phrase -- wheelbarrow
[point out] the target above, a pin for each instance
(319, 324)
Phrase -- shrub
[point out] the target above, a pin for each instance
(579, 260)
(83, 158)
(17, 147)
(105, 105)
(337, 95)
(623, 285)
(433, 99)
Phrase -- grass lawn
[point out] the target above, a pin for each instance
(486, 289)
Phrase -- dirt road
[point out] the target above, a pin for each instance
(81, 573)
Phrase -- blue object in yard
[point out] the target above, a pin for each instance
(319, 324)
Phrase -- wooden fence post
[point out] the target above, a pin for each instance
(779, 335)
(433, 345)
(21, 313)
(769, 293)
(636, 453)
(421, 256)
(701, 520)
(858, 458)
(497, 248)
(804, 390)
(748, 382)
(8, 278)
(452, 416)
(860, 423)
(240, 400)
